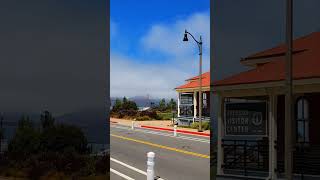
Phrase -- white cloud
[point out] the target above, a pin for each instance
(130, 78)
(167, 38)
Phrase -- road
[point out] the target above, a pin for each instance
(184, 157)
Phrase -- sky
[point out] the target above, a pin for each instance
(148, 56)
(52, 55)
(242, 28)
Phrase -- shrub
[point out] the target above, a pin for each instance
(102, 164)
(150, 114)
(143, 118)
(165, 116)
(205, 125)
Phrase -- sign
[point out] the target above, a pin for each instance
(245, 119)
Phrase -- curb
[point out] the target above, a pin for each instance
(181, 131)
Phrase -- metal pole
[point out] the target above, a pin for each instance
(200, 86)
(288, 105)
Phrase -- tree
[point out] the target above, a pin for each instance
(47, 121)
(26, 140)
(124, 100)
(117, 105)
(162, 104)
(172, 105)
(63, 137)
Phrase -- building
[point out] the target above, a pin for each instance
(188, 98)
(251, 114)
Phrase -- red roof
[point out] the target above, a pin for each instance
(306, 63)
(194, 81)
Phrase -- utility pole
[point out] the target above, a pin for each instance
(289, 140)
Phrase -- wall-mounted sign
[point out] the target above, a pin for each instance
(245, 119)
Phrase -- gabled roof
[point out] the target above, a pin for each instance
(306, 63)
(194, 82)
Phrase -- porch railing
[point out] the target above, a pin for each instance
(306, 160)
(188, 120)
(245, 157)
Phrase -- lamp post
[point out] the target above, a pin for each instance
(199, 43)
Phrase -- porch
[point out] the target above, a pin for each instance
(261, 155)
(188, 109)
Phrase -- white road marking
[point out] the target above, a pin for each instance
(165, 134)
(120, 174)
(128, 166)
(131, 167)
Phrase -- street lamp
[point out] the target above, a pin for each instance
(199, 43)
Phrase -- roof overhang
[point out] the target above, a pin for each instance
(309, 85)
(204, 88)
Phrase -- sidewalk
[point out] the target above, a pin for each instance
(156, 123)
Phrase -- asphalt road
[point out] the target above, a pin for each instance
(183, 157)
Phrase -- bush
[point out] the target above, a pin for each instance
(143, 118)
(205, 125)
(62, 137)
(150, 114)
(165, 116)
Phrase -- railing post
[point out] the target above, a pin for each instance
(175, 130)
(245, 158)
(150, 166)
(132, 125)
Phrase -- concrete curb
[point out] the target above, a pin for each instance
(180, 131)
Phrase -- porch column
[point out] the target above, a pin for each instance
(178, 110)
(272, 135)
(195, 104)
(220, 135)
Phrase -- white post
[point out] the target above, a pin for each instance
(194, 105)
(132, 125)
(178, 114)
(175, 130)
(150, 166)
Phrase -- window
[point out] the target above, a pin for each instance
(302, 120)
(186, 99)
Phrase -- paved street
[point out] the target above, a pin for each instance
(183, 157)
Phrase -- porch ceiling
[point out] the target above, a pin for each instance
(263, 89)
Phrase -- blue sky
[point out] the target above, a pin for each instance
(148, 55)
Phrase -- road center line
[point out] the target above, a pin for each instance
(120, 174)
(162, 146)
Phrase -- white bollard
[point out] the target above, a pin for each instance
(132, 125)
(175, 130)
(150, 166)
